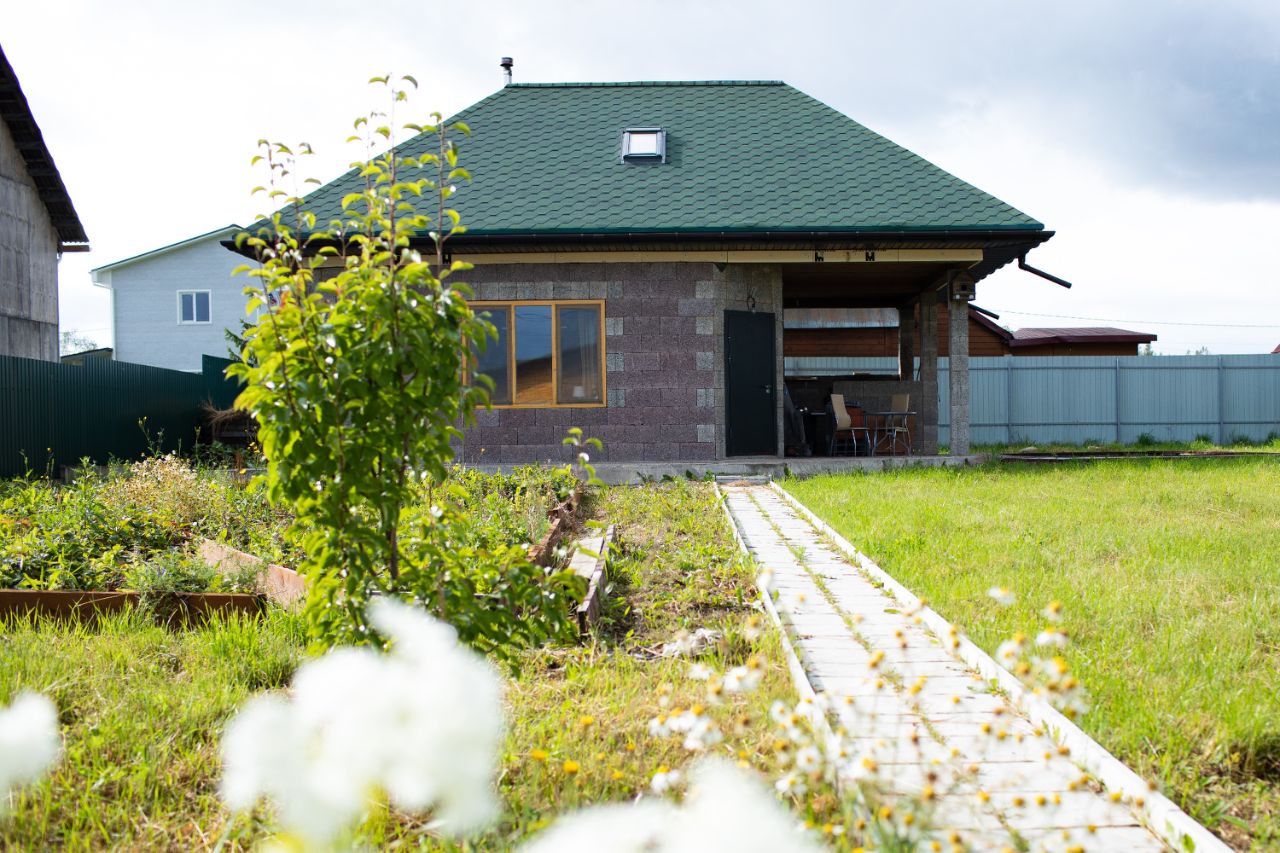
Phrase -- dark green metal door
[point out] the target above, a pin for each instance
(750, 393)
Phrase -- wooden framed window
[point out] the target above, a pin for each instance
(546, 355)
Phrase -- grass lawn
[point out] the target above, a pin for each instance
(1170, 577)
(142, 708)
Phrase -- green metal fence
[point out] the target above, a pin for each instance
(54, 414)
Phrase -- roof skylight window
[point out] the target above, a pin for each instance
(644, 144)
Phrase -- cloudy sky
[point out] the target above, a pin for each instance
(1146, 133)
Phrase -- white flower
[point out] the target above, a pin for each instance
(780, 713)
(424, 723)
(1051, 637)
(726, 809)
(701, 735)
(742, 679)
(791, 783)
(1010, 650)
(664, 779)
(808, 760)
(29, 740)
(658, 727)
(690, 644)
(1002, 595)
(700, 672)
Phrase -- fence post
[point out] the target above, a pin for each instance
(1222, 405)
(1008, 399)
(1118, 398)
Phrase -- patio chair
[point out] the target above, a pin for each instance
(844, 437)
(895, 425)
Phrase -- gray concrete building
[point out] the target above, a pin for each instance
(37, 224)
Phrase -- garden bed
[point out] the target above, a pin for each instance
(577, 715)
(84, 605)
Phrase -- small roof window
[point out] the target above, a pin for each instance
(644, 145)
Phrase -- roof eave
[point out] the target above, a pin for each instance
(142, 256)
(16, 113)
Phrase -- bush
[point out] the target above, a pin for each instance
(359, 383)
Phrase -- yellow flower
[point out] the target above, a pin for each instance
(539, 754)
(586, 720)
(571, 767)
(617, 774)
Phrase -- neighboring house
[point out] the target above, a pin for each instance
(37, 224)
(79, 358)
(820, 339)
(636, 245)
(1095, 340)
(1276, 351)
(172, 305)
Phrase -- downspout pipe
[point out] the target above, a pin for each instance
(1023, 265)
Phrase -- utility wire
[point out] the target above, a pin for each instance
(1146, 322)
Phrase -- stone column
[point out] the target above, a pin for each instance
(927, 442)
(961, 291)
(907, 341)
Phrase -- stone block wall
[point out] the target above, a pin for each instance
(664, 359)
(28, 262)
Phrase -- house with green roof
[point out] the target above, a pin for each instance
(637, 246)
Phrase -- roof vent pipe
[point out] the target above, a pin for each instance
(506, 63)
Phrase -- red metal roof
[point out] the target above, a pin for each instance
(1078, 335)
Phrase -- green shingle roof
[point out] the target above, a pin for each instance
(742, 156)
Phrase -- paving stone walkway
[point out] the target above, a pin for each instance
(930, 720)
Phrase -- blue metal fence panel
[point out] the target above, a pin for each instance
(1093, 399)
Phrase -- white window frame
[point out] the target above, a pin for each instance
(659, 156)
(194, 312)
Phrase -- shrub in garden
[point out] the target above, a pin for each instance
(359, 384)
(71, 537)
